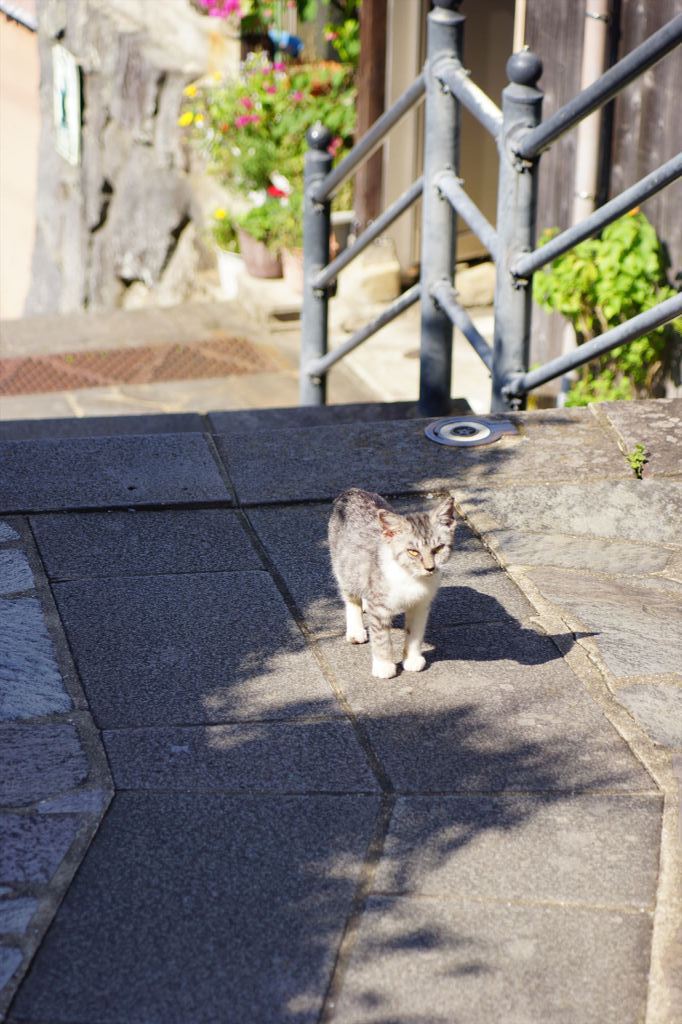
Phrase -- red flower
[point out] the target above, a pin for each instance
(276, 193)
(224, 127)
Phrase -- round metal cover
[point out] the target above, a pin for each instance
(459, 432)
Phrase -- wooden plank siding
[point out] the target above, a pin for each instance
(646, 128)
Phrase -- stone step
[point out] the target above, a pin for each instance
(237, 421)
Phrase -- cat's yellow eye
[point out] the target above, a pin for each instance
(412, 553)
(434, 551)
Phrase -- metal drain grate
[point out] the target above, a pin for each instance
(467, 431)
(223, 356)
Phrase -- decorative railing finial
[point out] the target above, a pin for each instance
(319, 137)
(524, 68)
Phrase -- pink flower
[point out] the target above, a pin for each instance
(271, 88)
(335, 145)
(247, 102)
(245, 119)
(297, 95)
(279, 65)
(331, 36)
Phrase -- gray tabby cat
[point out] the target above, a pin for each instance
(388, 563)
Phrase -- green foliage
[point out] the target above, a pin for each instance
(344, 36)
(602, 282)
(637, 460)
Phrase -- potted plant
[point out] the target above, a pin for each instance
(258, 232)
(230, 263)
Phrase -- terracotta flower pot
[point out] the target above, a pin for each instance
(258, 259)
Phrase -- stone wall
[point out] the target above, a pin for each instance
(123, 227)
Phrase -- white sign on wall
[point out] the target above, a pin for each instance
(66, 92)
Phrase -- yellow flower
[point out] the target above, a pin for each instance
(220, 214)
(217, 76)
(631, 213)
(199, 119)
(185, 118)
(190, 90)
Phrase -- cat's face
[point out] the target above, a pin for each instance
(420, 542)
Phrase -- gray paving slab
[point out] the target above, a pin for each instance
(274, 756)
(223, 909)
(75, 544)
(655, 424)
(192, 649)
(658, 709)
(396, 458)
(644, 511)
(495, 709)
(638, 622)
(101, 426)
(594, 849)
(38, 761)
(15, 572)
(30, 680)
(33, 846)
(474, 588)
(463, 963)
(51, 475)
(15, 915)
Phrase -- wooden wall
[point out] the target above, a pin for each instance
(645, 125)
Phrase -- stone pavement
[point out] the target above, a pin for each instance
(211, 811)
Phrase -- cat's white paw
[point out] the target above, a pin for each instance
(415, 663)
(358, 635)
(383, 669)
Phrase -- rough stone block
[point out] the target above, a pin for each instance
(15, 572)
(39, 760)
(7, 532)
(108, 471)
(588, 848)
(30, 681)
(272, 756)
(645, 511)
(657, 425)
(141, 543)
(32, 847)
(565, 551)
(435, 960)
(236, 905)
(189, 649)
(15, 915)
(638, 622)
(10, 958)
(658, 709)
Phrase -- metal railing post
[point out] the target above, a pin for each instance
(516, 206)
(445, 29)
(316, 230)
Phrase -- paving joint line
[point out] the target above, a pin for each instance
(362, 894)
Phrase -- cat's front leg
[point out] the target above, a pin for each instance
(355, 627)
(383, 665)
(415, 627)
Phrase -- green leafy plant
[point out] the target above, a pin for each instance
(637, 459)
(344, 35)
(264, 223)
(602, 282)
(224, 231)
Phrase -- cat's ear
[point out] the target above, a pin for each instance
(390, 523)
(444, 514)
